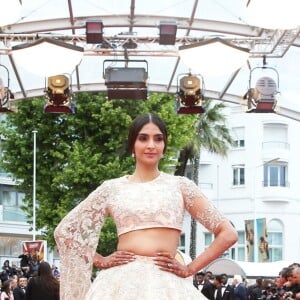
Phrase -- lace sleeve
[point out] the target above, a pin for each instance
(77, 238)
(200, 208)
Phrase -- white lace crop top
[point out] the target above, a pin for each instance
(161, 202)
(158, 203)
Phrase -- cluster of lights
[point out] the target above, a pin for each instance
(51, 57)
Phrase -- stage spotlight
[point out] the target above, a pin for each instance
(58, 95)
(189, 95)
(5, 94)
(126, 82)
(94, 31)
(167, 33)
(262, 97)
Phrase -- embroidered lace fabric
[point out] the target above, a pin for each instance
(158, 203)
(141, 279)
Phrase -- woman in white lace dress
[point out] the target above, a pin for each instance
(148, 208)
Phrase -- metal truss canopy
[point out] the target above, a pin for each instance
(143, 30)
(271, 43)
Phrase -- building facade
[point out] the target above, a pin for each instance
(258, 180)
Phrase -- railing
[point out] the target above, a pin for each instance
(275, 183)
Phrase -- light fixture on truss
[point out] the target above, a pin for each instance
(124, 82)
(261, 98)
(189, 94)
(5, 93)
(167, 32)
(58, 95)
(94, 31)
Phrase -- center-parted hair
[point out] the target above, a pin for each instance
(139, 122)
(45, 279)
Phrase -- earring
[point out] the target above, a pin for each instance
(132, 154)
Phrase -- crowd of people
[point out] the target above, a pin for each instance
(217, 287)
(21, 283)
(45, 285)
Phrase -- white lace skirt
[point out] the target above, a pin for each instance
(141, 279)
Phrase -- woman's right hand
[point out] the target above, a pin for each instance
(115, 259)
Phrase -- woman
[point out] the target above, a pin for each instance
(148, 208)
(6, 291)
(6, 272)
(43, 286)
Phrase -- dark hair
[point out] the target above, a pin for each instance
(139, 122)
(46, 280)
(6, 286)
(284, 272)
(22, 277)
(44, 269)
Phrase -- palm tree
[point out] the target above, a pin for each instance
(212, 134)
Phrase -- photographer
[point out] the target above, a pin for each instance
(293, 276)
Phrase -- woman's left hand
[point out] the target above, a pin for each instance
(168, 263)
(117, 258)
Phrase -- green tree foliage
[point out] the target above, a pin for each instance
(76, 153)
(108, 237)
(210, 133)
